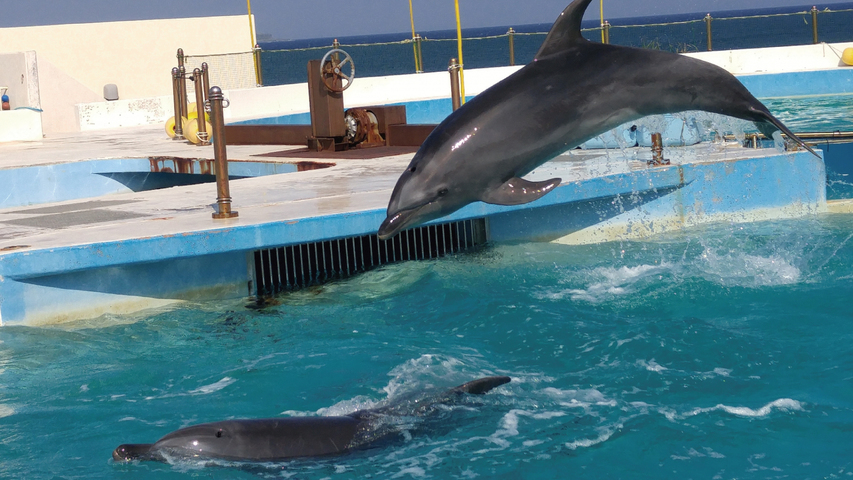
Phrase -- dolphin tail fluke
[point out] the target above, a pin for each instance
(132, 451)
(481, 385)
(768, 124)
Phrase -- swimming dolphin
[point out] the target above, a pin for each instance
(573, 90)
(276, 439)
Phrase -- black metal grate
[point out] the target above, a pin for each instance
(298, 266)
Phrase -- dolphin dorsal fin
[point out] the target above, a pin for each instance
(566, 31)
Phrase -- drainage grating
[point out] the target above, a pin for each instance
(298, 266)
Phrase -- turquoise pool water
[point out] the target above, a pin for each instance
(721, 352)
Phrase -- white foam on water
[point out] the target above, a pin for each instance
(738, 268)
(609, 282)
(781, 404)
(651, 366)
(6, 411)
(213, 387)
(604, 434)
(579, 398)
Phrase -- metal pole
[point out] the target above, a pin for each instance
(814, 24)
(182, 83)
(708, 30)
(415, 41)
(459, 47)
(601, 12)
(259, 74)
(199, 102)
(223, 192)
(205, 76)
(453, 68)
(657, 151)
(256, 58)
(606, 31)
(511, 34)
(419, 56)
(176, 96)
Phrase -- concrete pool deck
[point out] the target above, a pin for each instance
(125, 252)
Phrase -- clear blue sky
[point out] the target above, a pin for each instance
(295, 19)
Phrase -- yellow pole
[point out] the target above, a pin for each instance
(414, 44)
(601, 10)
(461, 63)
(252, 38)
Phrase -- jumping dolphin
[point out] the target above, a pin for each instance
(573, 90)
(276, 439)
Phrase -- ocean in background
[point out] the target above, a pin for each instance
(284, 62)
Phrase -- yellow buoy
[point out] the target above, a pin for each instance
(170, 127)
(193, 115)
(191, 133)
(192, 107)
(847, 56)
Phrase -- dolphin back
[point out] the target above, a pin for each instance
(481, 385)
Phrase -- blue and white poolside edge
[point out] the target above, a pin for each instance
(85, 281)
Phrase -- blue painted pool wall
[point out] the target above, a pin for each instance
(94, 178)
(817, 82)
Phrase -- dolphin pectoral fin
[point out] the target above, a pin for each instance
(767, 124)
(517, 191)
(566, 31)
(481, 385)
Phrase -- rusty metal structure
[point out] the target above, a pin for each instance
(332, 128)
(657, 151)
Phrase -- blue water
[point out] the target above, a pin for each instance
(284, 62)
(718, 352)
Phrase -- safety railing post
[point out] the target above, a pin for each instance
(657, 151)
(511, 34)
(453, 68)
(176, 102)
(708, 20)
(205, 77)
(223, 191)
(201, 119)
(814, 24)
(606, 28)
(182, 84)
(419, 55)
(259, 74)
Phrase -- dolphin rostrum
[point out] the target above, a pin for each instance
(276, 439)
(573, 90)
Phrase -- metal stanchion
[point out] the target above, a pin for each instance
(657, 151)
(201, 121)
(708, 20)
(511, 34)
(176, 96)
(182, 83)
(453, 68)
(419, 58)
(606, 30)
(814, 24)
(223, 192)
(205, 77)
(259, 74)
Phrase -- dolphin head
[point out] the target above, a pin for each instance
(433, 185)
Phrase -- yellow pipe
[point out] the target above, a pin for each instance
(461, 63)
(601, 10)
(252, 37)
(414, 45)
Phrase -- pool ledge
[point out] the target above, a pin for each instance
(164, 247)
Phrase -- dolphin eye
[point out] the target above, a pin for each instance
(442, 192)
(413, 169)
(219, 433)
